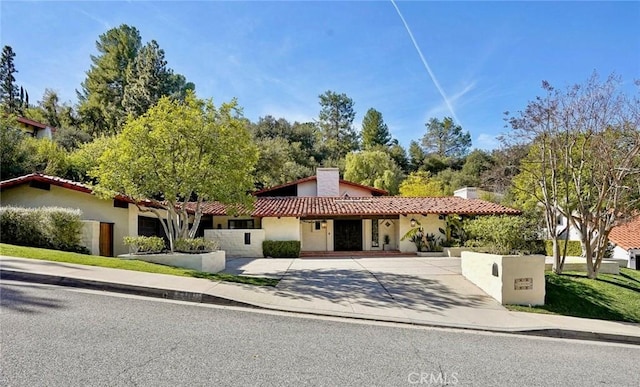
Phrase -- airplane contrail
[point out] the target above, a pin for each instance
(426, 65)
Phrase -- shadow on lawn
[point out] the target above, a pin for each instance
(376, 289)
(567, 294)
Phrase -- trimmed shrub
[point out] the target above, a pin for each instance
(502, 234)
(195, 245)
(144, 244)
(574, 249)
(46, 227)
(281, 249)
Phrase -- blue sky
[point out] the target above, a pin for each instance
(277, 57)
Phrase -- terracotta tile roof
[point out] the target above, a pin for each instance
(374, 190)
(627, 235)
(368, 206)
(314, 206)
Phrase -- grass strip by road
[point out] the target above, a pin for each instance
(609, 297)
(134, 265)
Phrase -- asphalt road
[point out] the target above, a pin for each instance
(57, 336)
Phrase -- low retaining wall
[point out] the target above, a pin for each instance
(510, 279)
(239, 242)
(212, 262)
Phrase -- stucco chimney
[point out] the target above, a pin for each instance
(467, 193)
(328, 181)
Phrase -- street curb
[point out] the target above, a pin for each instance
(583, 335)
(216, 300)
(120, 288)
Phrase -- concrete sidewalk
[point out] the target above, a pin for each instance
(420, 291)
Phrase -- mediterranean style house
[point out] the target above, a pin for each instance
(323, 212)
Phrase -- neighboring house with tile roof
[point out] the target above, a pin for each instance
(626, 241)
(35, 128)
(323, 212)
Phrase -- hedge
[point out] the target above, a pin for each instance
(144, 244)
(281, 249)
(574, 248)
(46, 227)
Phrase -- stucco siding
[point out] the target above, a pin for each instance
(430, 224)
(312, 239)
(281, 229)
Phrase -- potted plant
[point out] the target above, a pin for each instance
(387, 243)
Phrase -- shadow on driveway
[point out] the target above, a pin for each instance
(379, 290)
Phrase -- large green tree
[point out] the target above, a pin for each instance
(373, 168)
(375, 133)
(335, 123)
(177, 152)
(445, 139)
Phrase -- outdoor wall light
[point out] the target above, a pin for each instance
(323, 224)
(413, 222)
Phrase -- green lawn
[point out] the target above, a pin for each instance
(116, 263)
(610, 297)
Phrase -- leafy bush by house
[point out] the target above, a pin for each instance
(281, 249)
(503, 235)
(144, 244)
(47, 227)
(574, 249)
(196, 245)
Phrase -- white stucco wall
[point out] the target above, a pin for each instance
(511, 271)
(307, 188)
(391, 231)
(233, 242)
(430, 223)
(92, 208)
(312, 239)
(91, 236)
(281, 229)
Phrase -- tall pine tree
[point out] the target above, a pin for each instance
(335, 121)
(9, 91)
(375, 132)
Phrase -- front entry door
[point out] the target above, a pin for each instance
(347, 235)
(106, 239)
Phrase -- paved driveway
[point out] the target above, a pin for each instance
(414, 285)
